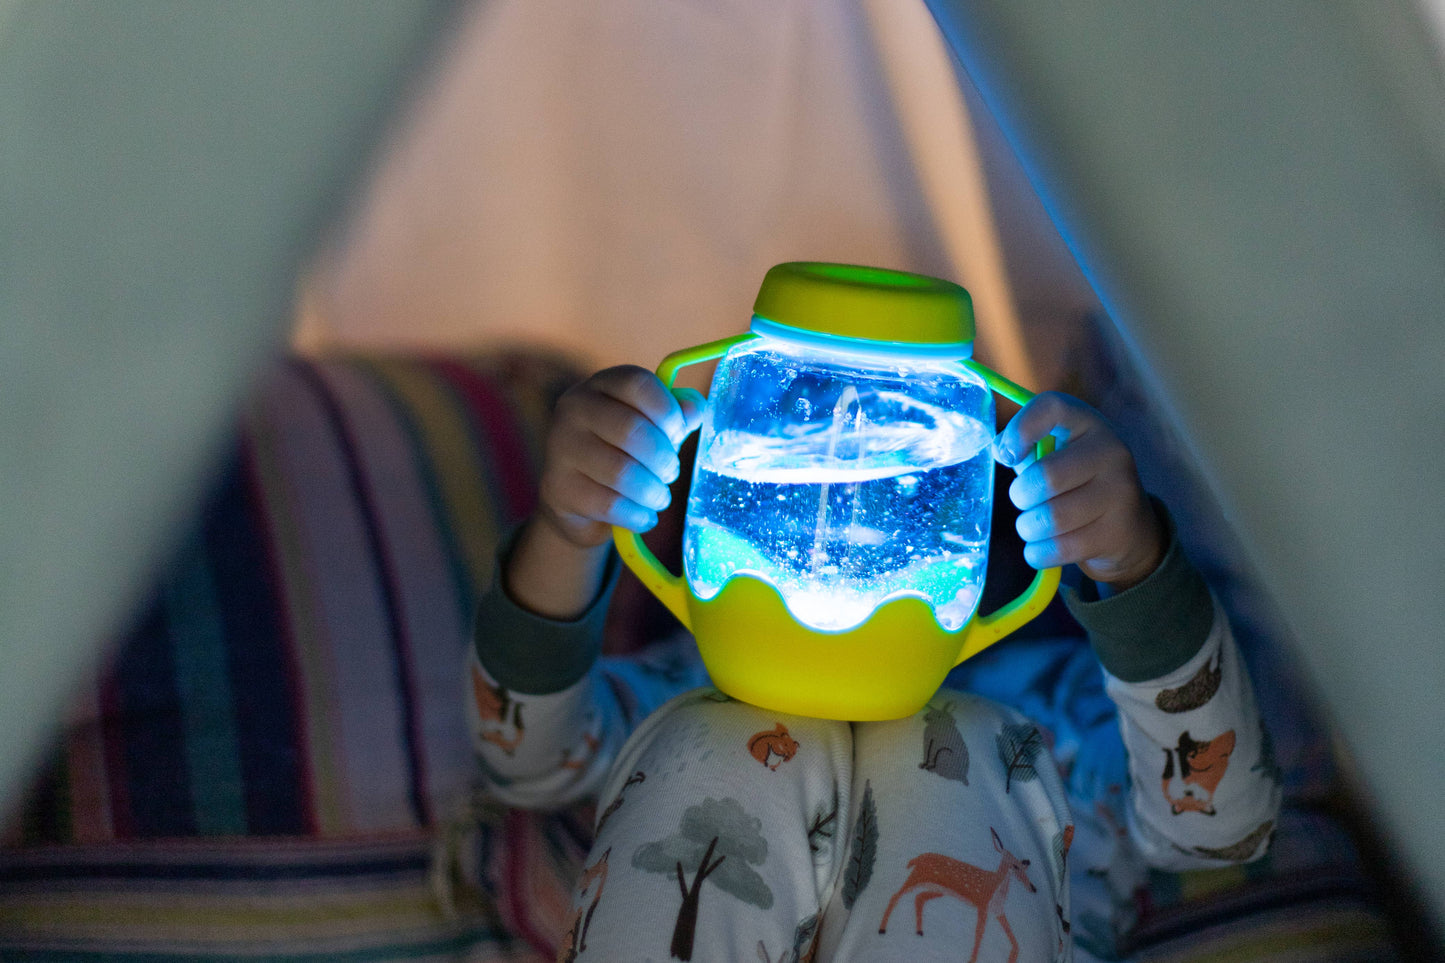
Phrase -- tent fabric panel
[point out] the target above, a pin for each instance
(1257, 192)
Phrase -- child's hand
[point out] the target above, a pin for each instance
(611, 454)
(1083, 503)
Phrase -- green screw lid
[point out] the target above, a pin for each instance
(866, 303)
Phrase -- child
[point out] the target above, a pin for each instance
(730, 832)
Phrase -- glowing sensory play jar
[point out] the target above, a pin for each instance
(837, 525)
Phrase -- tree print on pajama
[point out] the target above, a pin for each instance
(636, 778)
(1019, 745)
(863, 850)
(804, 945)
(820, 829)
(715, 842)
(1194, 693)
(1062, 843)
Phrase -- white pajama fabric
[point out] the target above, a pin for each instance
(727, 832)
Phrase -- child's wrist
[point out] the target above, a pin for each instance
(583, 536)
(1155, 541)
(549, 574)
(1154, 627)
(1135, 575)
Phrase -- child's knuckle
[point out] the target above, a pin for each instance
(1115, 452)
(549, 492)
(613, 466)
(1052, 405)
(572, 403)
(1070, 546)
(602, 504)
(634, 384)
(634, 434)
(1047, 476)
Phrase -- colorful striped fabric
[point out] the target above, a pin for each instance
(255, 899)
(260, 766)
(295, 672)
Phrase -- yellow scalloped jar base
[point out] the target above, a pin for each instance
(886, 668)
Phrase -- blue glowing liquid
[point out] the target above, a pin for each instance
(841, 515)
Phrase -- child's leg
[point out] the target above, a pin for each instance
(957, 832)
(717, 836)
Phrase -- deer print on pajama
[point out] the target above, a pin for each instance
(933, 875)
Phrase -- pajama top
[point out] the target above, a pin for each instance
(553, 723)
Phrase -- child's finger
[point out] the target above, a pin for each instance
(624, 429)
(1050, 413)
(583, 500)
(641, 390)
(1063, 514)
(1066, 548)
(1061, 471)
(692, 403)
(615, 469)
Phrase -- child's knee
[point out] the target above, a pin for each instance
(964, 754)
(946, 737)
(704, 743)
(962, 789)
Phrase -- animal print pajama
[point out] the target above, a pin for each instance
(728, 832)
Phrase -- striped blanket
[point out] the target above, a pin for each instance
(272, 763)
(260, 766)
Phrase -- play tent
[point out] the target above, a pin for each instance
(1255, 194)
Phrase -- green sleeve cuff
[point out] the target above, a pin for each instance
(532, 654)
(1153, 628)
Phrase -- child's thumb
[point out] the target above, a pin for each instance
(693, 404)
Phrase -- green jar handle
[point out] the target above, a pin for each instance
(671, 590)
(985, 630)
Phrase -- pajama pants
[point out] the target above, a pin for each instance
(727, 832)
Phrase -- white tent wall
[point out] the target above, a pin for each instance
(615, 180)
(164, 170)
(1257, 193)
